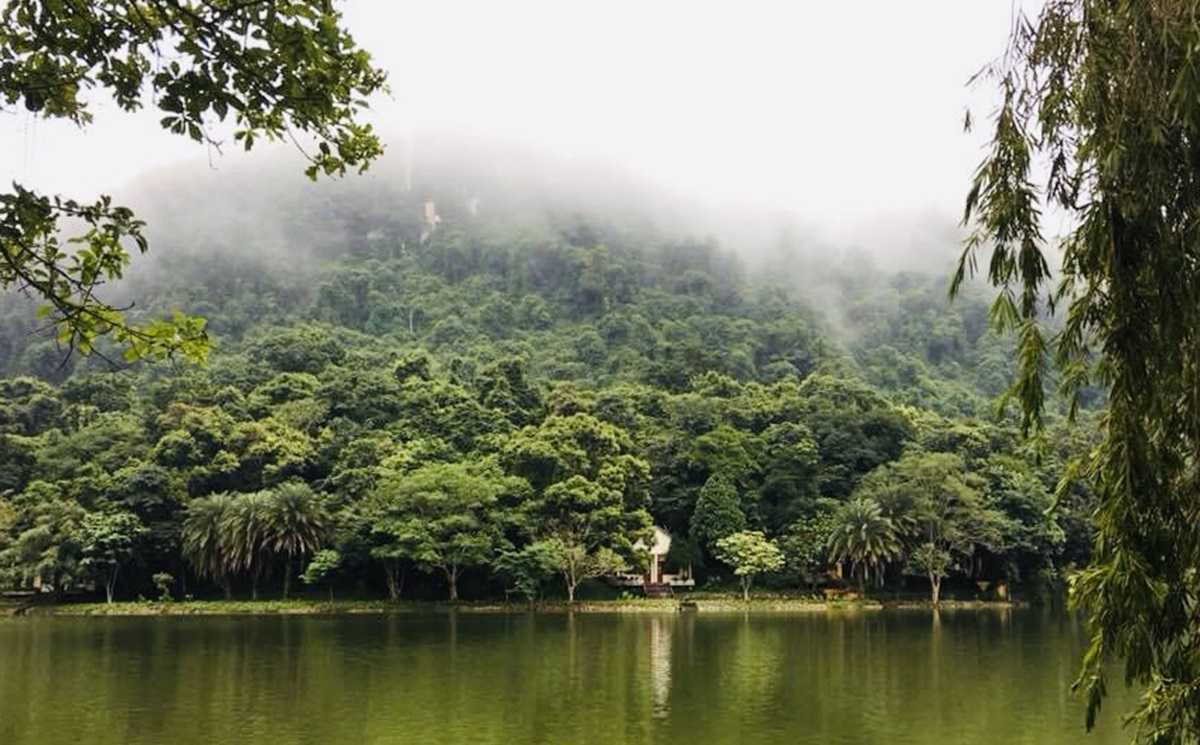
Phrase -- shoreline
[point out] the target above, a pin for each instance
(416, 607)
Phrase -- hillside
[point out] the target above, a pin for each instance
(513, 392)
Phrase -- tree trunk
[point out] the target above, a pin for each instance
(452, 578)
(254, 582)
(287, 577)
(395, 579)
(571, 584)
(935, 586)
(227, 586)
(110, 583)
(862, 582)
(746, 588)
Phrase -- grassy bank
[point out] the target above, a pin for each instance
(382, 607)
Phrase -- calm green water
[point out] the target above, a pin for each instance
(962, 678)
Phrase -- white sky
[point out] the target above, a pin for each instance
(837, 109)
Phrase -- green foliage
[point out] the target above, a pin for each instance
(528, 567)
(588, 491)
(322, 569)
(866, 538)
(1106, 95)
(517, 396)
(273, 70)
(856, 429)
(790, 463)
(306, 349)
(718, 512)
(443, 516)
(749, 553)
(204, 541)
(41, 548)
(806, 544)
(28, 406)
(163, 582)
(106, 541)
(579, 445)
(296, 525)
(938, 510)
(589, 525)
(225, 535)
(245, 528)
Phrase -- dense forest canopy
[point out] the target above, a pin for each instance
(470, 373)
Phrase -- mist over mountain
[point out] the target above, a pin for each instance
(476, 309)
(250, 245)
(257, 211)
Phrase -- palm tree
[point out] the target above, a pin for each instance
(864, 537)
(294, 525)
(245, 528)
(203, 538)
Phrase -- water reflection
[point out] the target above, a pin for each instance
(920, 677)
(661, 628)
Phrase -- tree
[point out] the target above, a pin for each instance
(938, 510)
(749, 553)
(728, 451)
(149, 492)
(107, 540)
(275, 70)
(575, 445)
(576, 562)
(865, 538)
(392, 556)
(806, 542)
(589, 492)
(529, 567)
(790, 461)
(203, 539)
(855, 428)
(295, 525)
(444, 516)
(718, 511)
(1034, 539)
(244, 528)
(589, 527)
(1105, 94)
(503, 387)
(322, 569)
(42, 547)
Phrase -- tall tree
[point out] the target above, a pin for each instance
(529, 567)
(322, 569)
(718, 511)
(444, 516)
(589, 527)
(107, 540)
(866, 538)
(296, 524)
(589, 492)
(42, 548)
(1105, 94)
(245, 527)
(274, 69)
(805, 543)
(203, 539)
(938, 510)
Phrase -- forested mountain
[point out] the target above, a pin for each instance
(474, 367)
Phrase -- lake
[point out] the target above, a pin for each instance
(961, 678)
